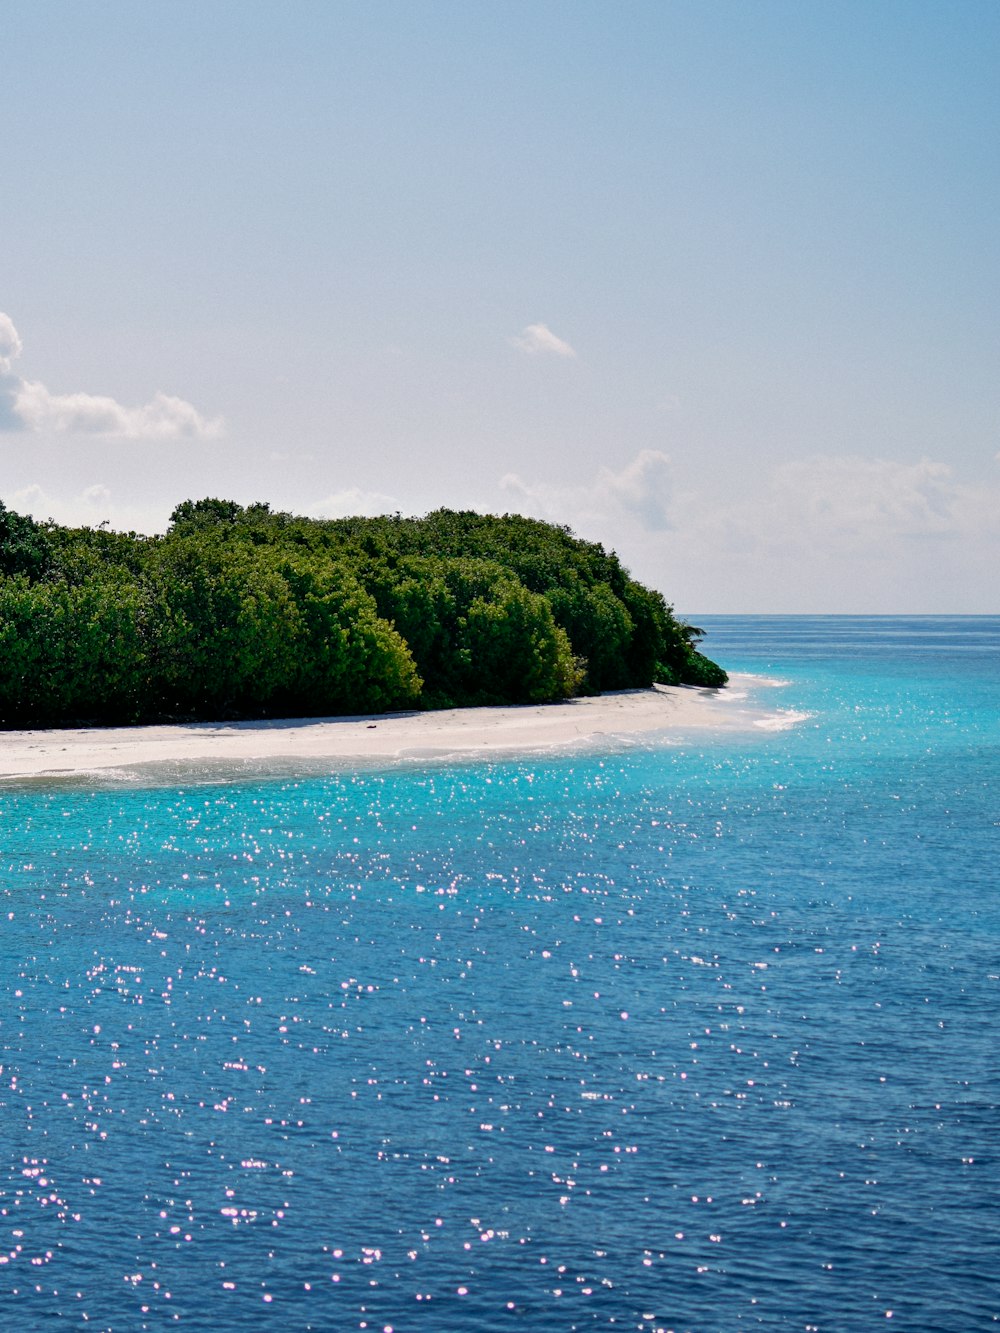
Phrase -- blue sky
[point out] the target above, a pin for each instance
(714, 283)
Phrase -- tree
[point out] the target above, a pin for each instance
(25, 546)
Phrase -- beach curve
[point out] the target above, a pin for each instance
(660, 712)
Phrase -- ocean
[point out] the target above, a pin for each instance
(677, 1036)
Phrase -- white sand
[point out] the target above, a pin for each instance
(660, 713)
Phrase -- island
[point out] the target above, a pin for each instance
(244, 612)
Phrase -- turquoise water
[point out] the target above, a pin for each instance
(691, 1037)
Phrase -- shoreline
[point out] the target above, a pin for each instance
(661, 713)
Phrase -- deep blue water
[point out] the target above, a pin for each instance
(698, 1037)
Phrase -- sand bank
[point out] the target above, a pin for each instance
(661, 713)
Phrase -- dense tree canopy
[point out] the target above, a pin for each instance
(239, 611)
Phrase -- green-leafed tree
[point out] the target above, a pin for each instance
(25, 546)
(243, 611)
(346, 657)
(477, 634)
(71, 652)
(600, 630)
(220, 629)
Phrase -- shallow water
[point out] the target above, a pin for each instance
(687, 1037)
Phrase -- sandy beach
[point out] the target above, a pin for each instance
(659, 713)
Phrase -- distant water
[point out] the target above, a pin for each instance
(697, 1037)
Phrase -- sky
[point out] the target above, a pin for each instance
(713, 283)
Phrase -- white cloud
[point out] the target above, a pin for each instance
(162, 418)
(833, 533)
(92, 506)
(29, 405)
(28, 500)
(10, 343)
(845, 505)
(846, 533)
(645, 488)
(868, 498)
(349, 503)
(538, 339)
(643, 491)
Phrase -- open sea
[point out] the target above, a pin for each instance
(687, 1036)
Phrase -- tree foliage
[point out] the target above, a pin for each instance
(25, 547)
(242, 611)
